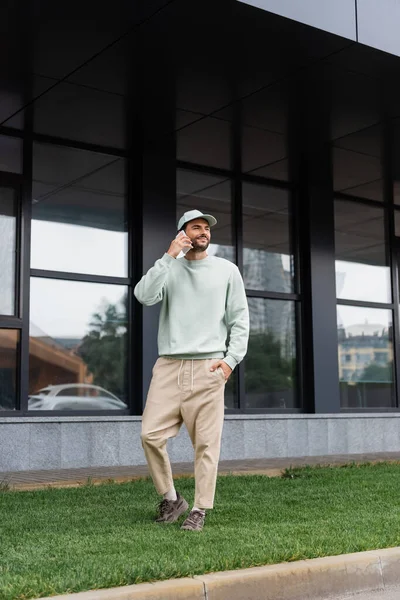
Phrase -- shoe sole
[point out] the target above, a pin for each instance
(182, 510)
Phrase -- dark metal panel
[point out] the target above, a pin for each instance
(336, 17)
(80, 277)
(72, 413)
(310, 118)
(156, 114)
(394, 258)
(365, 304)
(245, 177)
(11, 131)
(351, 198)
(59, 141)
(237, 221)
(271, 295)
(10, 323)
(159, 229)
(25, 257)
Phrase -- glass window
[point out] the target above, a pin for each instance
(84, 112)
(267, 255)
(362, 267)
(357, 164)
(205, 142)
(79, 221)
(270, 363)
(231, 399)
(264, 153)
(8, 209)
(395, 130)
(365, 334)
(397, 223)
(10, 154)
(210, 195)
(9, 360)
(78, 346)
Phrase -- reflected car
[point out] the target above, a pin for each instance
(74, 396)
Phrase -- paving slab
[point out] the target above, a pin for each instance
(27, 480)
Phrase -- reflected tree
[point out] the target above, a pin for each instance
(267, 369)
(104, 348)
(375, 373)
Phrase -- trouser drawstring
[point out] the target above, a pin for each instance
(179, 373)
(192, 376)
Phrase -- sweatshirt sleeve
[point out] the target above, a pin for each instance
(237, 320)
(150, 288)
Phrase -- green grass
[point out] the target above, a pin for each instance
(67, 540)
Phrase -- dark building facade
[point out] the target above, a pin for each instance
(280, 118)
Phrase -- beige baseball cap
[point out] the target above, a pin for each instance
(195, 214)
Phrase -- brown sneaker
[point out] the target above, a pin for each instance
(169, 511)
(194, 521)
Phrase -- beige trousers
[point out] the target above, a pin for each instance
(185, 391)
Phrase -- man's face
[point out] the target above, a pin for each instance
(199, 233)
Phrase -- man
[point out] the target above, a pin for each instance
(203, 335)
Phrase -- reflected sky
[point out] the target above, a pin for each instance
(65, 308)
(7, 251)
(78, 249)
(356, 281)
(359, 320)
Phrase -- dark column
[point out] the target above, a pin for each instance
(313, 171)
(158, 175)
(159, 223)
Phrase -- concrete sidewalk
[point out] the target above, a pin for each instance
(29, 480)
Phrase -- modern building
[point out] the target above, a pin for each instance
(280, 117)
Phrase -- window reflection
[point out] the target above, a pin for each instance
(270, 364)
(397, 222)
(9, 359)
(78, 346)
(7, 250)
(395, 131)
(79, 219)
(205, 142)
(365, 357)
(10, 154)
(230, 398)
(264, 132)
(267, 256)
(362, 271)
(357, 164)
(211, 195)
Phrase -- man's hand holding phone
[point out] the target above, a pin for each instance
(180, 244)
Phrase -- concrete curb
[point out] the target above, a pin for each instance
(313, 579)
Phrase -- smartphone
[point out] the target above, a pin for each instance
(184, 250)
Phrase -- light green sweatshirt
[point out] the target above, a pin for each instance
(204, 312)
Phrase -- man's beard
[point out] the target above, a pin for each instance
(200, 245)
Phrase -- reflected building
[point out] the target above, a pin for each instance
(54, 363)
(262, 271)
(361, 346)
